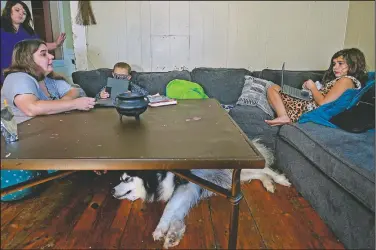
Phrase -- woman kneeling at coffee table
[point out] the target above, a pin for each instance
(31, 88)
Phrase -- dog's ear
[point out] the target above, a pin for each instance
(131, 172)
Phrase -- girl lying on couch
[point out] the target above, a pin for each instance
(347, 70)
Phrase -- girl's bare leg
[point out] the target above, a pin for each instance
(275, 100)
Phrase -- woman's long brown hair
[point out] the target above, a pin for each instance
(355, 60)
(6, 20)
(22, 60)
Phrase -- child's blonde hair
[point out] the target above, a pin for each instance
(122, 65)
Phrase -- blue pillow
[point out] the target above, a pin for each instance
(348, 99)
(368, 85)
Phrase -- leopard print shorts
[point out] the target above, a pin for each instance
(295, 107)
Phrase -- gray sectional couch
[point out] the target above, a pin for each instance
(334, 170)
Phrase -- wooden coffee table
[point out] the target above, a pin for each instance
(194, 134)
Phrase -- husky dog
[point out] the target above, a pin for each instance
(155, 185)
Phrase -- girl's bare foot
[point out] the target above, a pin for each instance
(281, 120)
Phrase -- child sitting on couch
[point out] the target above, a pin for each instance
(122, 70)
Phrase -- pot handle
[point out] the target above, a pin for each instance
(147, 99)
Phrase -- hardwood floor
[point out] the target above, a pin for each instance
(78, 212)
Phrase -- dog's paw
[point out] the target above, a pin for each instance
(268, 184)
(159, 232)
(282, 180)
(175, 234)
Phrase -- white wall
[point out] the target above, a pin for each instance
(360, 31)
(167, 35)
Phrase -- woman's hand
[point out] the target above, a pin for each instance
(84, 103)
(60, 39)
(309, 84)
(104, 94)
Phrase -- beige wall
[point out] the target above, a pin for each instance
(360, 30)
(167, 35)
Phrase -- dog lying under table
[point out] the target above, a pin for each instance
(182, 195)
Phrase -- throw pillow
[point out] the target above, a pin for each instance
(254, 94)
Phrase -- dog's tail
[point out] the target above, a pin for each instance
(265, 152)
(249, 174)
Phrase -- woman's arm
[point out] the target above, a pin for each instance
(59, 41)
(336, 91)
(30, 105)
(51, 46)
(73, 93)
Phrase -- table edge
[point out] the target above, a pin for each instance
(131, 164)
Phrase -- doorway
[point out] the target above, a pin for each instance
(51, 18)
(42, 21)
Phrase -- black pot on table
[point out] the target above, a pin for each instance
(131, 104)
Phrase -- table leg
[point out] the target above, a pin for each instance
(235, 199)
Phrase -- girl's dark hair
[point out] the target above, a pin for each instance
(356, 62)
(6, 20)
(23, 61)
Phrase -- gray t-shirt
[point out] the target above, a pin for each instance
(22, 83)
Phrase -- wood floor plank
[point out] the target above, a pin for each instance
(138, 228)
(10, 212)
(106, 214)
(91, 192)
(4, 205)
(63, 217)
(199, 232)
(248, 235)
(34, 214)
(279, 224)
(112, 236)
(311, 219)
(315, 224)
(57, 224)
(80, 235)
(152, 213)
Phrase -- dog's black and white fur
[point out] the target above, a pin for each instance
(182, 195)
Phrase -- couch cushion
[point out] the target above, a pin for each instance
(251, 120)
(156, 82)
(254, 94)
(223, 84)
(292, 78)
(92, 81)
(346, 158)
